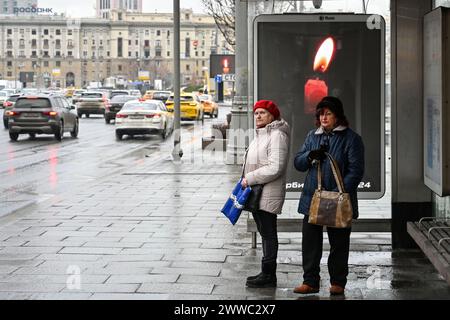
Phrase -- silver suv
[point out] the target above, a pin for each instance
(42, 114)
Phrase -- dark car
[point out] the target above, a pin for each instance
(42, 114)
(8, 105)
(115, 105)
(161, 95)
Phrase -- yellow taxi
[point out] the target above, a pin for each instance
(209, 106)
(190, 106)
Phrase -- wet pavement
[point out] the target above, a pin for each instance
(123, 221)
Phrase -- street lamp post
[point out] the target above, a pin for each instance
(206, 70)
(177, 153)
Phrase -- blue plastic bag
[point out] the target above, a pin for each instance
(235, 203)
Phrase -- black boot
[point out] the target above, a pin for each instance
(254, 277)
(263, 280)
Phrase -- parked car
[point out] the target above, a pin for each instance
(210, 107)
(115, 104)
(144, 117)
(190, 105)
(91, 102)
(8, 105)
(42, 114)
(161, 95)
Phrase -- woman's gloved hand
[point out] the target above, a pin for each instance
(317, 154)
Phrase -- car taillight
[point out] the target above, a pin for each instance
(7, 104)
(12, 113)
(50, 113)
(152, 115)
(121, 115)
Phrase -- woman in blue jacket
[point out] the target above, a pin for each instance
(334, 136)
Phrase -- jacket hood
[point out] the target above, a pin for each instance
(281, 125)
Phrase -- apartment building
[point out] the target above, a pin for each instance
(73, 52)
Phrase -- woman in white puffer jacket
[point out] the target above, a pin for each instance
(266, 163)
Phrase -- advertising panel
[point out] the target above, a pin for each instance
(301, 58)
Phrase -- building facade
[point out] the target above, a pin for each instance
(67, 52)
(9, 5)
(104, 7)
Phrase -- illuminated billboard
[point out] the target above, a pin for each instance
(301, 58)
(221, 64)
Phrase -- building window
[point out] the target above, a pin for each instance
(69, 53)
(9, 74)
(33, 31)
(58, 53)
(33, 53)
(33, 43)
(168, 53)
(168, 33)
(9, 32)
(22, 31)
(46, 32)
(45, 63)
(85, 41)
(119, 47)
(69, 32)
(129, 53)
(58, 63)
(9, 63)
(129, 42)
(203, 53)
(119, 67)
(58, 32)
(9, 53)
(187, 50)
(158, 33)
(137, 42)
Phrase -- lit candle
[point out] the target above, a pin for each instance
(225, 69)
(316, 89)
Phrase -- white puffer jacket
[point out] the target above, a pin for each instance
(266, 163)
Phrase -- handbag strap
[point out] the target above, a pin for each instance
(245, 162)
(336, 173)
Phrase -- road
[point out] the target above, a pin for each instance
(36, 170)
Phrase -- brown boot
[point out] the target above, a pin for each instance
(336, 290)
(305, 289)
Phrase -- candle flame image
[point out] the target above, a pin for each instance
(324, 55)
(225, 69)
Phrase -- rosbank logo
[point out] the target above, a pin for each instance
(32, 9)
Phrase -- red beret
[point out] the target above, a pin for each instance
(269, 106)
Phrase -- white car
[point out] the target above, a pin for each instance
(143, 117)
(3, 96)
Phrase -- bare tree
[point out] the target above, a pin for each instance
(223, 13)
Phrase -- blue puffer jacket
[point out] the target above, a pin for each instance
(347, 148)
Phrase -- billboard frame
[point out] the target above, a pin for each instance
(373, 21)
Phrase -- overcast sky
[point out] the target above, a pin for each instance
(86, 8)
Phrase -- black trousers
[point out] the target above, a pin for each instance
(312, 245)
(267, 227)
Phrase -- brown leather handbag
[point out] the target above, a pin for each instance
(331, 208)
